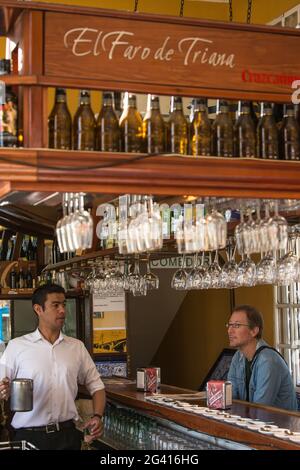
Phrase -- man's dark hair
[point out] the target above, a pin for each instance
(254, 317)
(40, 294)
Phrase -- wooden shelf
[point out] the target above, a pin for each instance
(137, 87)
(100, 172)
(79, 259)
(13, 79)
(165, 251)
(20, 295)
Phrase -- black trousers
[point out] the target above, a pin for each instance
(65, 439)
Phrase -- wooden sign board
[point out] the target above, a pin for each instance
(184, 57)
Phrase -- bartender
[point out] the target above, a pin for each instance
(56, 363)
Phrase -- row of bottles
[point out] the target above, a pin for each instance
(19, 279)
(114, 224)
(248, 136)
(28, 250)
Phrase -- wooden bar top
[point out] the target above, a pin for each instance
(126, 394)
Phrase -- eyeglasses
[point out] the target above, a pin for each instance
(235, 325)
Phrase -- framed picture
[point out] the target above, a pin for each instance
(220, 368)
(109, 324)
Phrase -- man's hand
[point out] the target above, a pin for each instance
(4, 389)
(94, 427)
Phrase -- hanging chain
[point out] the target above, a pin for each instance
(136, 5)
(230, 11)
(249, 11)
(181, 7)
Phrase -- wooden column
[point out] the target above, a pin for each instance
(34, 101)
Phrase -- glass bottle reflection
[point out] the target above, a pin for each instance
(84, 124)
(267, 134)
(108, 131)
(290, 135)
(177, 127)
(131, 125)
(60, 122)
(223, 131)
(244, 132)
(200, 129)
(154, 130)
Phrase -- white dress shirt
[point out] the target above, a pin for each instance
(2, 347)
(56, 370)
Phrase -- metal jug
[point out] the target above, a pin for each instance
(21, 395)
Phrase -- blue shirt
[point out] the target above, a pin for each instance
(270, 383)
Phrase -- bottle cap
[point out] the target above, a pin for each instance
(221, 104)
(107, 95)
(199, 101)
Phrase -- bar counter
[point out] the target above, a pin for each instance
(126, 394)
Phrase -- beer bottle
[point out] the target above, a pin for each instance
(60, 122)
(31, 254)
(107, 130)
(154, 129)
(290, 135)
(278, 113)
(244, 132)
(200, 129)
(84, 124)
(177, 127)
(267, 134)
(13, 279)
(21, 279)
(233, 110)
(131, 125)
(117, 100)
(223, 131)
(23, 252)
(10, 248)
(29, 279)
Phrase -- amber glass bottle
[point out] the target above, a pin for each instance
(244, 132)
(200, 129)
(290, 135)
(154, 129)
(223, 131)
(267, 134)
(108, 130)
(177, 128)
(60, 122)
(131, 125)
(84, 124)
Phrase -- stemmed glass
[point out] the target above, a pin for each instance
(70, 241)
(246, 275)
(250, 234)
(194, 280)
(214, 272)
(66, 234)
(137, 284)
(86, 225)
(288, 266)
(216, 229)
(229, 272)
(151, 280)
(239, 233)
(266, 270)
(278, 230)
(179, 280)
(60, 238)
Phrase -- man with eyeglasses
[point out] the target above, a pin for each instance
(258, 373)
